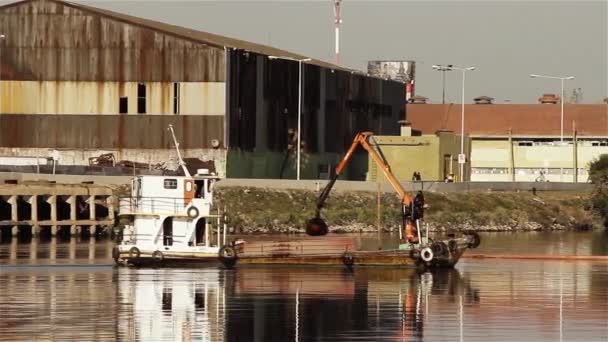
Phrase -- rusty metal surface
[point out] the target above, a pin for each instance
(108, 131)
(66, 41)
(53, 40)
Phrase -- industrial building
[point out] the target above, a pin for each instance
(522, 142)
(78, 81)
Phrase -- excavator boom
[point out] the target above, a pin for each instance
(316, 225)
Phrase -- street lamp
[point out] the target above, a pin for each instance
(462, 156)
(443, 69)
(2, 37)
(561, 100)
(300, 61)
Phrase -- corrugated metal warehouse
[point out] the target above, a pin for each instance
(85, 81)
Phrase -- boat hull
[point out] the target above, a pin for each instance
(400, 258)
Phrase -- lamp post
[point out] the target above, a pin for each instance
(443, 69)
(300, 70)
(2, 37)
(561, 100)
(461, 157)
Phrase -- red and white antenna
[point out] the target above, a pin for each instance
(337, 22)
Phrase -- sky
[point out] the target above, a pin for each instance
(505, 40)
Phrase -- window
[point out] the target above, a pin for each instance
(176, 98)
(141, 98)
(170, 183)
(489, 170)
(123, 105)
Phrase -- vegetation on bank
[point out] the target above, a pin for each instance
(598, 174)
(255, 210)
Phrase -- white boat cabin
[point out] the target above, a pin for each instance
(170, 214)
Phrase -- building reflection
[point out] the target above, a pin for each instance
(55, 250)
(310, 304)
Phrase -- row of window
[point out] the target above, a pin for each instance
(525, 171)
(557, 143)
(123, 101)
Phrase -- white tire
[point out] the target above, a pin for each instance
(426, 254)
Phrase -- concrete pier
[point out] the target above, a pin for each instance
(44, 205)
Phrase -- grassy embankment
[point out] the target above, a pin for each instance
(255, 210)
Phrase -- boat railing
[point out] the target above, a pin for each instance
(152, 205)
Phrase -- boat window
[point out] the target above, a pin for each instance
(199, 190)
(170, 183)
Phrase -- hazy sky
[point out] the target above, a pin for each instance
(505, 40)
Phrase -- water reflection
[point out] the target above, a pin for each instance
(67, 290)
(483, 301)
(77, 250)
(54, 250)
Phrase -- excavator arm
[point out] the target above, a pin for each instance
(316, 225)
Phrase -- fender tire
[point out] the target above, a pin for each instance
(348, 260)
(453, 246)
(192, 212)
(134, 253)
(228, 256)
(475, 239)
(158, 256)
(439, 248)
(115, 254)
(426, 254)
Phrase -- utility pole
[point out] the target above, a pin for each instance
(337, 22)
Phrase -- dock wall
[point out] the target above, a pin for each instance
(69, 207)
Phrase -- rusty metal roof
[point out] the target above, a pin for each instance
(188, 34)
(531, 120)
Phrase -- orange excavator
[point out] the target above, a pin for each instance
(316, 226)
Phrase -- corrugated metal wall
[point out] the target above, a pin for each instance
(51, 41)
(66, 97)
(108, 131)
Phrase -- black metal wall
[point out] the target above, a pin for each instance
(337, 104)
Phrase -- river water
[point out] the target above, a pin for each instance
(69, 291)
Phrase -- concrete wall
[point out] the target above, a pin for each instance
(317, 185)
(491, 161)
(64, 97)
(409, 186)
(148, 156)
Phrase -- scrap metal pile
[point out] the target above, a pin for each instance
(109, 160)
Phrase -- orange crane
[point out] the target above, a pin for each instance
(317, 226)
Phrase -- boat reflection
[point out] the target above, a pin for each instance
(173, 305)
(264, 304)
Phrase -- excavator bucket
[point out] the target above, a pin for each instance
(316, 227)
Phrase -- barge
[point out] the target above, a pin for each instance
(170, 224)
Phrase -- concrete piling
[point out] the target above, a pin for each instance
(54, 206)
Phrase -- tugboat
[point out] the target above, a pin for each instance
(415, 248)
(169, 219)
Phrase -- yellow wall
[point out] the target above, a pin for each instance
(424, 154)
(49, 97)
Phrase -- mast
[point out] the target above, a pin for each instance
(179, 155)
